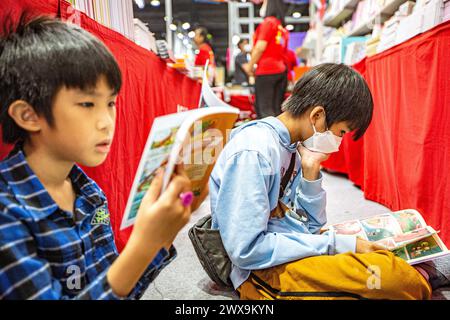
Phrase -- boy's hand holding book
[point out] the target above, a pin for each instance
(364, 246)
(162, 216)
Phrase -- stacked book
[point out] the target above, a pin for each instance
(433, 14)
(446, 10)
(114, 14)
(143, 36)
(372, 45)
(389, 33)
(365, 10)
(355, 52)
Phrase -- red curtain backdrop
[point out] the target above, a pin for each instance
(150, 89)
(403, 161)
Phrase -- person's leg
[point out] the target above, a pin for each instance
(279, 91)
(377, 275)
(264, 94)
(437, 271)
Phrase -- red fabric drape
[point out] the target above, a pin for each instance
(150, 89)
(404, 158)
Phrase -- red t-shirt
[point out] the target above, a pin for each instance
(205, 54)
(290, 59)
(277, 37)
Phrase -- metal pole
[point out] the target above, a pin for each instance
(169, 19)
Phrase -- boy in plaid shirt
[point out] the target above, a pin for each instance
(58, 89)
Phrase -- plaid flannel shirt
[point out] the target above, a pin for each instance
(49, 253)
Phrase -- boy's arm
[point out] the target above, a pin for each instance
(242, 212)
(24, 275)
(311, 197)
(162, 259)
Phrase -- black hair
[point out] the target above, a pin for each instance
(277, 9)
(39, 56)
(203, 33)
(340, 90)
(241, 41)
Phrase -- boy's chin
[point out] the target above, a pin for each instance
(93, 161)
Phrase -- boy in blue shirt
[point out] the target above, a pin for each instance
(58, 89)
(272, 234)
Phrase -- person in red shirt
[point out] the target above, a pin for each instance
(269, 46)
(205, 51)
(290, 59)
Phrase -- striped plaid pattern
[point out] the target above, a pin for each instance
(49, 253)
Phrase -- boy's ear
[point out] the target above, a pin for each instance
(24, 116)
(317, 113)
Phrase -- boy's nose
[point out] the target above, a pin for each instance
(106, 122)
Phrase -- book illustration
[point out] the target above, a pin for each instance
(401, 253)
(405, 233)
(146, 180)
(380, 227)
(409, 220)
(167, 140)
(350, 228)
(422, 248)
(413, 235)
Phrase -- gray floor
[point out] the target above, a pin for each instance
(184, 278)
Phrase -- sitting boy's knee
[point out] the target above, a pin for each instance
(395, 279)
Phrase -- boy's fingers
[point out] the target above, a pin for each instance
(179, 169)
(178, 185)
(154, 190)
(379, 247)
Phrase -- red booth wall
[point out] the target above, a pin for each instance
(403, 160)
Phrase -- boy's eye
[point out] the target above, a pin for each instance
(86, 104)
(342, 133)
(112, 104)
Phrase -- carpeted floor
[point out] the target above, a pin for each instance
(184, 278)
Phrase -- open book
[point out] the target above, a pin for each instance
(194, 138)
(404, 232)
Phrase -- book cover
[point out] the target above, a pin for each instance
(194, 138)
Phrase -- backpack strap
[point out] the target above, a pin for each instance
(287, 175)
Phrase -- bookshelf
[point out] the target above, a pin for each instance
(381, 16)
(336, 18)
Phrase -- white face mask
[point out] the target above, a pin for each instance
(324, 142)
(247, 48)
